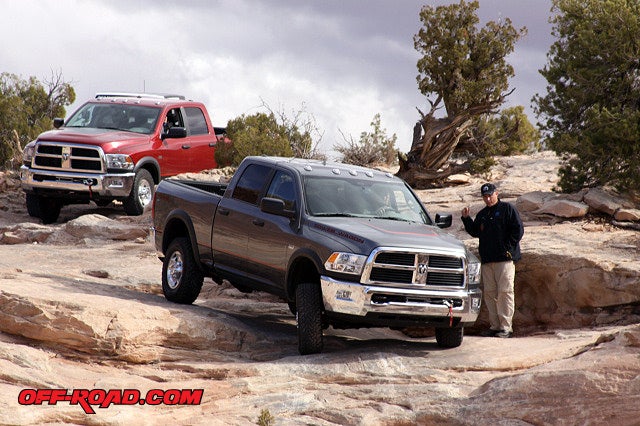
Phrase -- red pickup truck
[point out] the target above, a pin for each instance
(117, 146)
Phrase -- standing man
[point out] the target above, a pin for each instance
(499, 228)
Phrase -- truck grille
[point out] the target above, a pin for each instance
(67, 157)
(415, 269)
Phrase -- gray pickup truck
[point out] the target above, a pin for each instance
(344, 246)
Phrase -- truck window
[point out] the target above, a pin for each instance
(251, 182)
(363, 198)
(133, 118)
(282, 187)
(196, 123)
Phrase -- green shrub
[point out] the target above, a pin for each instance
(224, 154)
(257, 134)
(265, 418)
(373, 148)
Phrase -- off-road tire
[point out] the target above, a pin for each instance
(449, 337)
(309, 318)
(141, 194)
(47, 209)
(33, 206)
(181, 277)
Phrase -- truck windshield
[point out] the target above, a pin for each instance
(362, 198)
(130, 118)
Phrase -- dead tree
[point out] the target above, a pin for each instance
(427, 164)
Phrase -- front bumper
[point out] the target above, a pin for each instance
(104, 185)
(360, 300)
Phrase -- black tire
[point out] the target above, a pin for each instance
(33, 206)
(181, 277)
(141, 194)
(309, 318)
(449, 337)
(47, 209)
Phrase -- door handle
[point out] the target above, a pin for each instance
(186, 146)
(258, 222)
(212, 144)
(223, 211)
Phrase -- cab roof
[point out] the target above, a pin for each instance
(310, 167)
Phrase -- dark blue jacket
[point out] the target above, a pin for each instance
(500, 230)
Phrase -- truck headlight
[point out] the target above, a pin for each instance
(347, 263)
(473, 273)
(28, 152)
(119, 161)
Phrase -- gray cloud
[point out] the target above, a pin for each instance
(344, 60)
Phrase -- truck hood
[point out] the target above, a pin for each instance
(362, 235)
(109, 140)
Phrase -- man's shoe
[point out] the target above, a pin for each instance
(489, 333)
(503, 334)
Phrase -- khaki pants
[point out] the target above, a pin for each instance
(497, 280)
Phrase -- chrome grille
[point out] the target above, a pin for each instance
(68, 157)
(415, 269)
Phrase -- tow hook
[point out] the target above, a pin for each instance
(449, 304)
(89, 183)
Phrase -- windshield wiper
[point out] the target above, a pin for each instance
(401, 219)
(336, 215)
(109, 128)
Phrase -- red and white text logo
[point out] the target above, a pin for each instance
(88, 399)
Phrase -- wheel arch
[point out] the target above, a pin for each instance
(305, 266)
(179, 224)
(151, 165)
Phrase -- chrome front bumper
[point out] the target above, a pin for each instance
(360, 299)
(107, 185)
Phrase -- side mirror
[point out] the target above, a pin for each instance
(443, 220)
(175, 133)
(275, 206)
(58, 122)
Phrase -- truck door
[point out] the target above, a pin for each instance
(234, 221)
(169, 151)
(200, 143)
(270, 234)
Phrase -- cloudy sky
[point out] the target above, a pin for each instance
(342, 61)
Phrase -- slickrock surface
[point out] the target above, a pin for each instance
(81, 308)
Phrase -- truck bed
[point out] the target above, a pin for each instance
(208, 186)
(199, 198)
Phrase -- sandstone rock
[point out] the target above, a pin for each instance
(532, 201)
(24, 233)
(459, 178)
(563, 208)
(630, 215)
(604, 201)
(98, 226)
(88, 313)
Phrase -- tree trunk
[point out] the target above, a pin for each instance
(425, 166)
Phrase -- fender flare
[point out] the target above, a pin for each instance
(301, 254)
(179, 215)
(152, 165)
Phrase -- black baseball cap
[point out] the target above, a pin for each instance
(487, 189)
